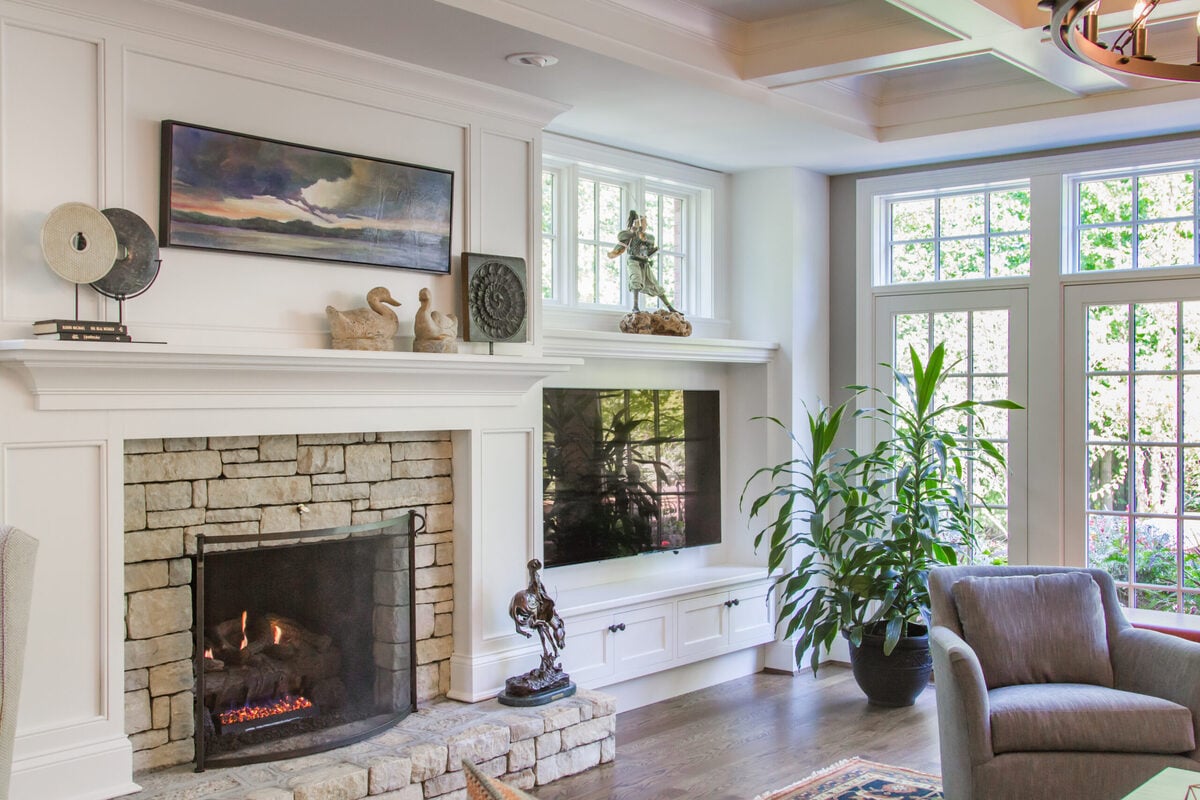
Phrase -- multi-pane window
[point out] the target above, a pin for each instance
(957, 235)
(976, 344)
(549, 232)
(1135, 220)
(1143, 450)
(666, 220)
(598, 222)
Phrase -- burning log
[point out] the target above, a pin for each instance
(257, 659)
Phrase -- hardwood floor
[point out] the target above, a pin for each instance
(751, 735)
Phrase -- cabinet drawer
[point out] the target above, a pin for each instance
(648, 637)
(751, 617)
(703, 625)
(588, 656)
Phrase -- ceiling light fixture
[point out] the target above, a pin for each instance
(531, 59)
(1075, 29)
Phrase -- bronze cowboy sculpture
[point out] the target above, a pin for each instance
(532, 609)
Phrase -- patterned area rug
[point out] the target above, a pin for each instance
(856, 779)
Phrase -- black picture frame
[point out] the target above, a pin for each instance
(235, 192)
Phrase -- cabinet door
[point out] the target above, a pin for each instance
(589, 654)
(752, 616)
(703, 625)
(648, 637)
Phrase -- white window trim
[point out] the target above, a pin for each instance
(704, 288)
(1051, 244)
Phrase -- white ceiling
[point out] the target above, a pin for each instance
(830, 85)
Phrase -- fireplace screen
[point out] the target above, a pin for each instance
(303, 640)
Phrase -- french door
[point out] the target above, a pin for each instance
(986, 337)
(1132, 437)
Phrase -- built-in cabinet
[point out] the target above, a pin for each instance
(616, 632)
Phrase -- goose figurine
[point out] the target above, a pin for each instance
(433, 331)
(372, 328)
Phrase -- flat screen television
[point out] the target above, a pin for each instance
(629, 471)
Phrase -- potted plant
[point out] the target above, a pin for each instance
(852, 537)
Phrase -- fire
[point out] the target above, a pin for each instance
(278, 632)
(208, 652)
(245, 641)
(283, 705)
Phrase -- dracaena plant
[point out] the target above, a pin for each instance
(851, 537)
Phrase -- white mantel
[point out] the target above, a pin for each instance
(93, 375)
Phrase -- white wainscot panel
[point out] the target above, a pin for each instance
(225, 298)
(503, 542)
(66, 629)
(504, 185)
(50, 139)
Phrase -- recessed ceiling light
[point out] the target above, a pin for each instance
(532, 59)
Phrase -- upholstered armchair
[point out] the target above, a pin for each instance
(17, 551)
(1044, 689)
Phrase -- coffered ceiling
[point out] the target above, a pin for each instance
(832, 85)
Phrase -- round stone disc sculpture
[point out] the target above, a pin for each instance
(133, 274)
(494, 298)
(79, 243)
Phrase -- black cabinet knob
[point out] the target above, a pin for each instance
(618, 627)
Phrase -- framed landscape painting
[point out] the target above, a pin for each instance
(230, 191)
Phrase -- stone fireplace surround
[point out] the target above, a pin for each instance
(178, 488)
(70, 410)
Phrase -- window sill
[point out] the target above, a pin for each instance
(1185, 626)
(608, 344)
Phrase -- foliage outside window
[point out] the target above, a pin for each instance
(1137, 220)
(1143, 442)
(958, 235)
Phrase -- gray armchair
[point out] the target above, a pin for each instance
(17, 552)
(1058, 715)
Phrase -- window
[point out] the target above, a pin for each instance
(549, 232)
(1140, 369)
(1136, 220)
(959, 235)
(983, 332)
(588, 193)
(1107, 364)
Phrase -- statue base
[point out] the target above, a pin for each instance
(540, 685)
(659, 323)
(435, 345)
(538, 699)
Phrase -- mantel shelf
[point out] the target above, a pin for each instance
(95, 375)
(607, 344)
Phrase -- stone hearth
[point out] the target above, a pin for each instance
(421, 759)
(178, 488)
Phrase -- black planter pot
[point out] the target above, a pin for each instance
(897, 679)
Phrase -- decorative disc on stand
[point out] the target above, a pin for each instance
(135, 271)
(79, 243)
(495, 307)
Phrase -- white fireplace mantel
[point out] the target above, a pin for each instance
(79, 376)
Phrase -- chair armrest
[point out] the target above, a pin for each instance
(1161, 665)
(964, 713)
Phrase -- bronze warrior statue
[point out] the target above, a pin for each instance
(532, 609)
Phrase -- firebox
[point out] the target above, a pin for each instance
(303, 639)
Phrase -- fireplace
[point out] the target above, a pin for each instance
(305, 642)
(256, 513)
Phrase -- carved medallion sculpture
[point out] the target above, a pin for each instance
(531, 610)
(372, 328)
(494, 298)
(639, 244)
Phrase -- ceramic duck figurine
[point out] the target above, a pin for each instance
(433, 331)
(371, 328)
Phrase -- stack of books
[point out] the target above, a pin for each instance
(81, 330)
